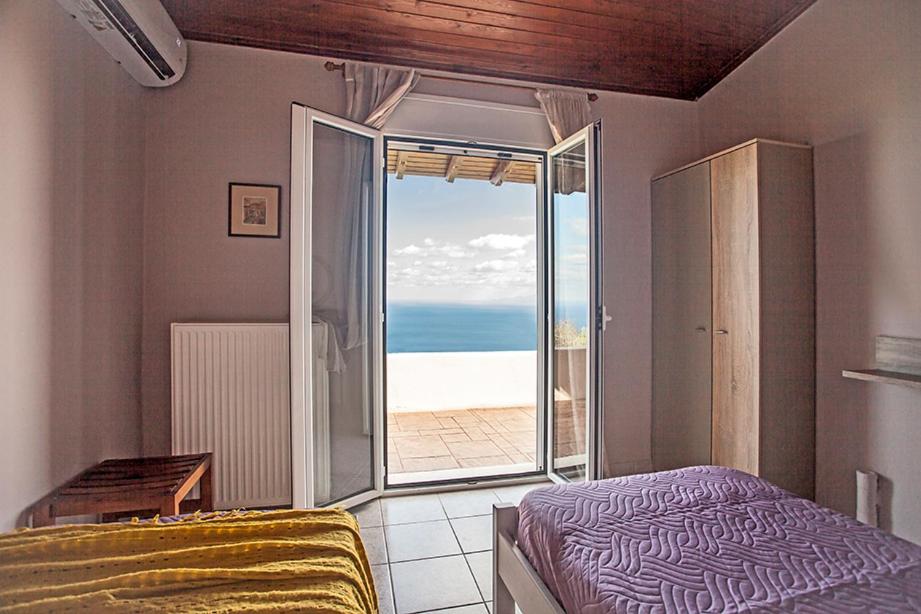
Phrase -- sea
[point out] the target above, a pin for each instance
(430, 327)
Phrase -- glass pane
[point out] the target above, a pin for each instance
(570, 312)
(342, 328)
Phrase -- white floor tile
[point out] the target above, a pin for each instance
(408, 542)
(473, 532)
(433, 584)
(381, 575)
(513, 494)
(468, 502)
(368, 514)
(479, 608)
(412, 508)
(373, 539)
(481, 565)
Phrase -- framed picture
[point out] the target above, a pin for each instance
(255, 210)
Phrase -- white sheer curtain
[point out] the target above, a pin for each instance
(342, 226)
(567, 112)
(372, 95)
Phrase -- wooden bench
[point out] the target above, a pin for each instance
(127, 485)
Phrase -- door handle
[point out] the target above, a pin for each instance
(720, 331)
(605, 318)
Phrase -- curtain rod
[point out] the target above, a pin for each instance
(331, 66)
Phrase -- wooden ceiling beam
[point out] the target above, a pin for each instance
(502, 169)
(453, 167)
(402, 160)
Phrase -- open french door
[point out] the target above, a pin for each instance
(336, 332)
(576, 318)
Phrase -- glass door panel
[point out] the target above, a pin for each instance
(573, 425)
(339, 310)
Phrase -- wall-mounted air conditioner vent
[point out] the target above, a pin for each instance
(138, 34)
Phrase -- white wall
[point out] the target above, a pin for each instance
(71, 171)
(643, 137)
(228, 119)
(846, 77)
(432, 381)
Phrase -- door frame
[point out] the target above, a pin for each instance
(303, 119)
(597, 310)
(542, 292)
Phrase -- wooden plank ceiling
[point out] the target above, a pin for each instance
(430, 164)
(672, 48)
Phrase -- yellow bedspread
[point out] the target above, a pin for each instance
(284, 561)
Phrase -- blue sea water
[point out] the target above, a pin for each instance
(426, 327)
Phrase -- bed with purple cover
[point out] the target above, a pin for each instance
(710, 539)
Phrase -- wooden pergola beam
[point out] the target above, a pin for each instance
(402, 159)
(502, 169)
(453, 167)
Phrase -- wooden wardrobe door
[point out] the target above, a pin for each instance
(681, 318)
(734, 210)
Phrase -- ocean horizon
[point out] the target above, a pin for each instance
(454, 327)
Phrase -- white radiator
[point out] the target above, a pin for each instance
(230, 396)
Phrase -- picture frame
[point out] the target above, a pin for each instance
(254, 210)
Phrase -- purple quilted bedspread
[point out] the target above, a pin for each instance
(710, 539)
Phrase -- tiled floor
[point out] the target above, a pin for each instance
(461, 438)
(432, 553)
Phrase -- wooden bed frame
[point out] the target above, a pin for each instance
(514, 580)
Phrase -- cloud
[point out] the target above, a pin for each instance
(431, 247)
(501, 241)
(453, 251)
(499, 273)
(409, 250)
(497, 265)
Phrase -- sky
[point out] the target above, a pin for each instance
(473, 242)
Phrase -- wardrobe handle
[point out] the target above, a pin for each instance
(720, 331)
(701, 329)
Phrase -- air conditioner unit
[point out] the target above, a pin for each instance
(138, 34)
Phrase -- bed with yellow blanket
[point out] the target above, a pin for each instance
(282, 561)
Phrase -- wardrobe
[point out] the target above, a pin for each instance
(733, 244)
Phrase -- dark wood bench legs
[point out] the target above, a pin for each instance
(41, 515)
(207, 491)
